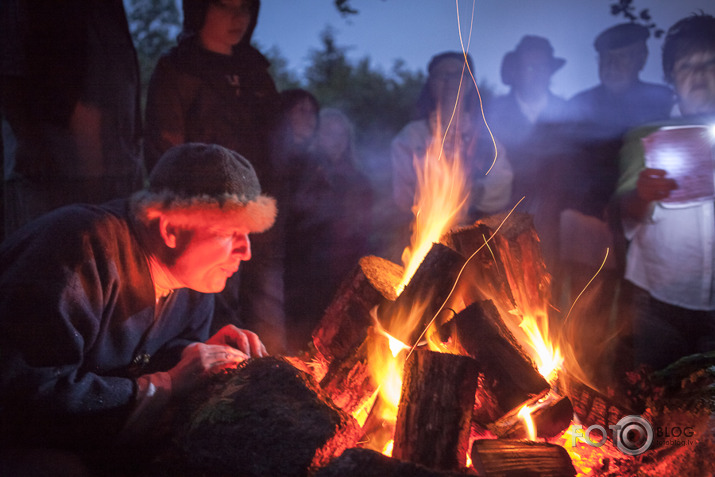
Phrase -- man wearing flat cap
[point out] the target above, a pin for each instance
(105, 310)
(600, 117)
(622, 100)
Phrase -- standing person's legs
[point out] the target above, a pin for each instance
(664, 333)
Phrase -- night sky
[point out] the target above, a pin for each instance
(386, 30)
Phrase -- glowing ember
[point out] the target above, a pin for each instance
(388, 448)
(525, 415)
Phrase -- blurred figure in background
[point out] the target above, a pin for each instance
(214, 87)
(329, 222)
(521, 118)
(70, 106)
(295, 163)
(449, 91)
(295, 133)
(589, 227)
(604, 113)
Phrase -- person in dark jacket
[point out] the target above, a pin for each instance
(105, 310)
(214, 87)
(69, 94)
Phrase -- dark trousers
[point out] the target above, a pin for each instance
(663, 333)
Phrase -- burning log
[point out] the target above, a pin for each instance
(350, 382)
(343, 327)
(264, 418)
(516, 253)
(549, 421)
(430, 287)
(434, 416)
(365, 462)
(509, 376)
(342, 337)
(497, 457)
(593, 407)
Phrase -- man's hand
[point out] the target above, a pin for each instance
(199, 361)
(653, 185)
(246, 341)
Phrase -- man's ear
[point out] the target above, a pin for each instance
(168, 232)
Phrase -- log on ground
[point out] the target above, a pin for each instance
(549, 419)
(434, 416)
(499, 457)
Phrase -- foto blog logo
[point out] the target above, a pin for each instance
(632, 435)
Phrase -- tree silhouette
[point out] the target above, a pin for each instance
(154, 26)
(629, 11)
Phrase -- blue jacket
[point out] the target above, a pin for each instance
(78, 324)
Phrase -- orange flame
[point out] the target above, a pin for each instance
(440, 203)
(547, 356)
(386, 362)
(440, 198)
(525, 415)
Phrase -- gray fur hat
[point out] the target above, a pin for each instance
(203, 185)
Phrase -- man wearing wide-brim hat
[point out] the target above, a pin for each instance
(105, 310)
(518, 118)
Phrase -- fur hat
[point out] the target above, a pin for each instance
(205, 184)
(620, 35)
(528, 43)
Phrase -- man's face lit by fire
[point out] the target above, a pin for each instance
(207, 257)
(694, 82)
(444, 82)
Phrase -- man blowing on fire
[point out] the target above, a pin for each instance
(105, 310)
(671, 254)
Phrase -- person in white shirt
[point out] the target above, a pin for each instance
(671, 251)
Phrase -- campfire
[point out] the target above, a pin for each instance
(446, 364)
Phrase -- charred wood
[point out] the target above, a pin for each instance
(593, 407)
(343, 327)
(549, 419)
(434, 416)
(431, 288)
(508, 377)
(369, 463)
(349, 381)
(506, 457)
(516, 250)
